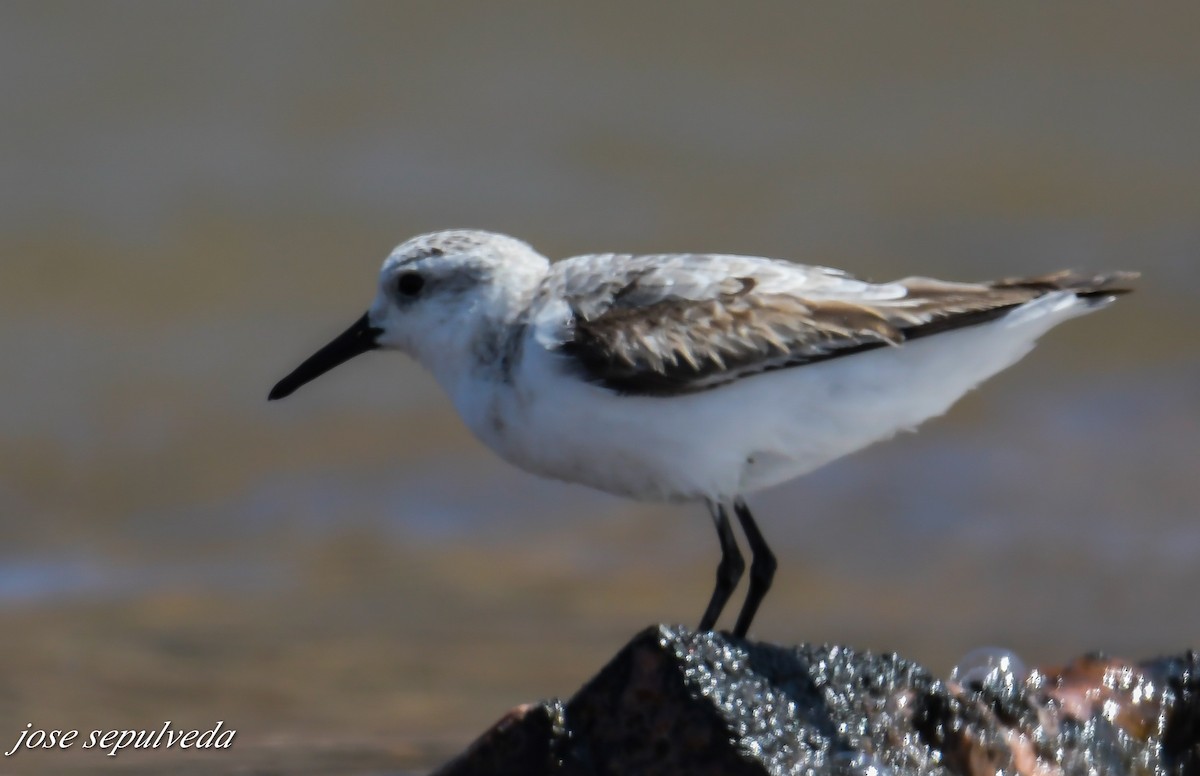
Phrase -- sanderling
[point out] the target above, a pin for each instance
(692, 377)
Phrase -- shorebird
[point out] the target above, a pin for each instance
(692, 377)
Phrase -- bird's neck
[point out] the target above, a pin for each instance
(482, 343)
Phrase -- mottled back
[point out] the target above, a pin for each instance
(679, 323)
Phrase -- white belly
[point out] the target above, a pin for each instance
(750, 434)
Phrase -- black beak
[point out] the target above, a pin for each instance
(356, 340)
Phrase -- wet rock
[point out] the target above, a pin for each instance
(524, 741)
(674, 702)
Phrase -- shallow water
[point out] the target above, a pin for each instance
(192, 200)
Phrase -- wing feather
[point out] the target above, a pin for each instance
(679, 323)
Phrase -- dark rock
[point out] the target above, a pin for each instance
(523, 741)
(678, 703)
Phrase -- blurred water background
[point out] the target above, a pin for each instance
(195, 196)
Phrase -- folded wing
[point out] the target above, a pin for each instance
(666, 325)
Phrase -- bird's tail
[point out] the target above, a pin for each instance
(1084, 285)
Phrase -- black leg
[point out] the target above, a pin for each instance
(729, 570)
(762, 568)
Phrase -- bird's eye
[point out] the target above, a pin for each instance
(410, 284)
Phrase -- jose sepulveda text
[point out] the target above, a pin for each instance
(113, 741)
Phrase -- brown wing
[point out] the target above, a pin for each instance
(654, 340)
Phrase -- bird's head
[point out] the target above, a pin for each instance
(436, 293)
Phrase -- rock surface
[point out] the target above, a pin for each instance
(674, 702)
